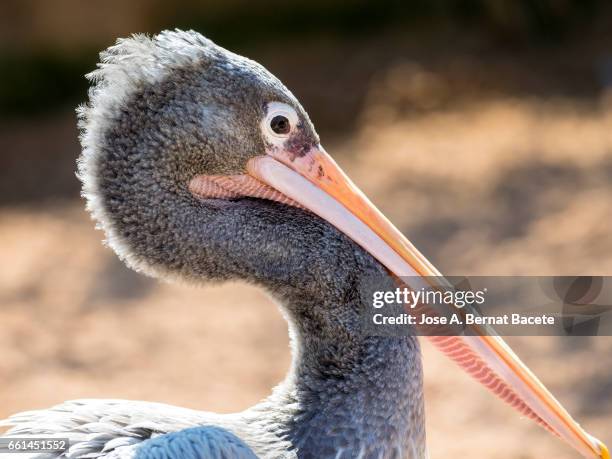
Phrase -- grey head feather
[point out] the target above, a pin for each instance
(173, 101)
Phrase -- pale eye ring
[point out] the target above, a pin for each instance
(279, 122)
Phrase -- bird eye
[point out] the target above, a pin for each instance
(280, 120)
(280, 124)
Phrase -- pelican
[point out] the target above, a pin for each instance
(200, 165)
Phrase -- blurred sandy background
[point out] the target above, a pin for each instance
(483, 129)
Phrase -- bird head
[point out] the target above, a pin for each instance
(168, 119)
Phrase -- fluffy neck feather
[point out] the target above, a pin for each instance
(372, 407)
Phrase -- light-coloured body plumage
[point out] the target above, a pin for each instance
(115, 429)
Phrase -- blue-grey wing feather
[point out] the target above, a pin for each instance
(206, 442)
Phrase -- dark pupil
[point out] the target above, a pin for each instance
(280, 124)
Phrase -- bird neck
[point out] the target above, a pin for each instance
(360, 395)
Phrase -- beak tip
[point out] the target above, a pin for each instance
(604, 453)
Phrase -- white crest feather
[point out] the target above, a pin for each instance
(124, 69)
